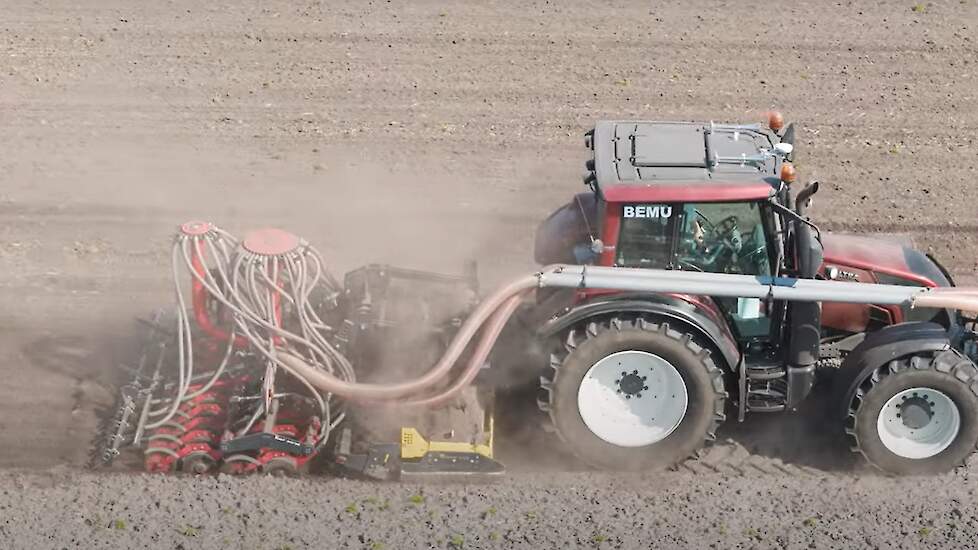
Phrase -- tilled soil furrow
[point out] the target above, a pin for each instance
(425, 133)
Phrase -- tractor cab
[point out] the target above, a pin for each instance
(704, 198)
(684, 196)
(739, 237)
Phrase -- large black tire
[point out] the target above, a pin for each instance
(585, 345)
(947, 372)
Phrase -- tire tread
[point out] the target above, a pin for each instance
(948, 361)
(593, 329)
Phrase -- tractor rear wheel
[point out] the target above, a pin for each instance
(633, 394)
(917, 415)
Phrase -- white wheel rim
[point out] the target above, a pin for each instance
(918, 423)
(622, 413)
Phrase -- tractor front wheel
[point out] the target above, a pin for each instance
(633, 394)
(917, 415)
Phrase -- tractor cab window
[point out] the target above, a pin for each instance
(645, 238)
(723, 238)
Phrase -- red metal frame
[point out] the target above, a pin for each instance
(875, 256)
(865, 258)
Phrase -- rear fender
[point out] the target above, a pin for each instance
(681, 313)
(883, 346)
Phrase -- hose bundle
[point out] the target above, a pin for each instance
(263, 285)
(254, 295)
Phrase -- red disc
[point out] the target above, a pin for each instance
(195, 228)
(270, 242)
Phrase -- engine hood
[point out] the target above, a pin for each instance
(888, 261)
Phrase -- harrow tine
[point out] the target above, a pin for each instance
(144, 413)
(115, 426)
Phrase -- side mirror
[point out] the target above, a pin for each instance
(588, 253)
(597, 246)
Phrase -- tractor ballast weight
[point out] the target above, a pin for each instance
(688, 275)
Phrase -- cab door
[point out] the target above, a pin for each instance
(712, 237)
(731, 237)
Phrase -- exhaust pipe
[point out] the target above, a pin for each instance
(802, 202)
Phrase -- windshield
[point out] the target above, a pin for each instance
(712, 237)
(724, 237)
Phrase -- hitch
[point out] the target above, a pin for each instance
(415, 457)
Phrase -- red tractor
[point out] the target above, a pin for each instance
(687, 281)
(640, 380)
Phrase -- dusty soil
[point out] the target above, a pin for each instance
(423, 133)
(562, 510)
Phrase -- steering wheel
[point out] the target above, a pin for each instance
(716, 240)
(722, 231)
(727, 233)
(725, 227)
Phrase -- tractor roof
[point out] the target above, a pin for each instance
(681, 161)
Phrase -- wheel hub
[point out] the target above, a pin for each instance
(915, 411)
(632, 399)
(631, 384)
